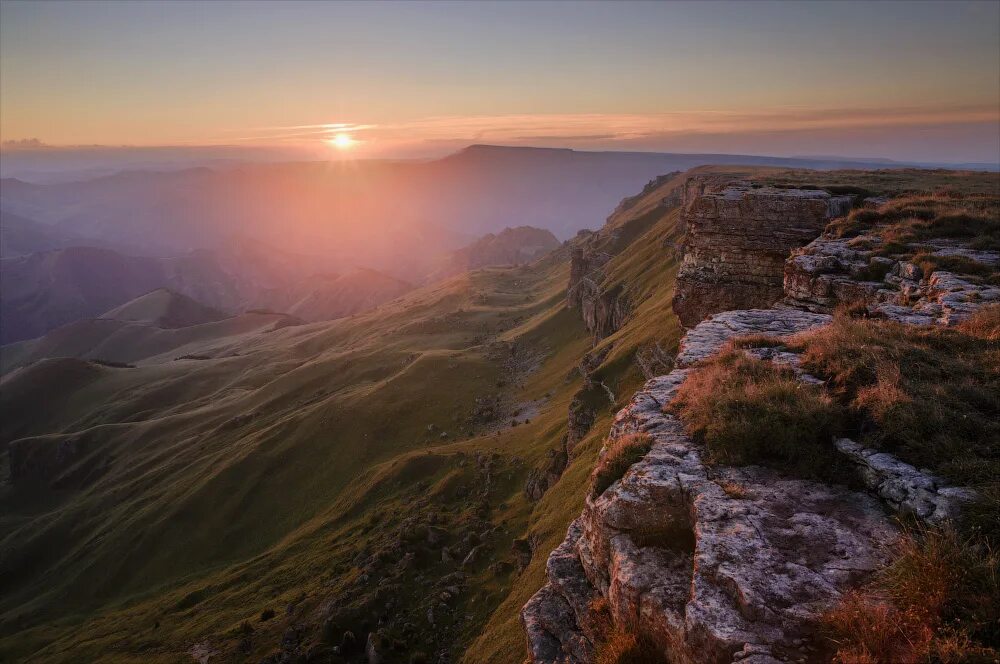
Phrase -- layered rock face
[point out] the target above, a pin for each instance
(602, 312)
(738, 237)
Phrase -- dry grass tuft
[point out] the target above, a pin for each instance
(626, 646)
(749, 411)
(985, 324)
(620, 456)
(935, 602)
(755, 341)
(963, 265)
(733, 489)
(599, 616)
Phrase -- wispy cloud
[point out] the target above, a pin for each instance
(585, 128)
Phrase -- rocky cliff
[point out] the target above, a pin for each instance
(738, 237)
(720, 563)
(605, 304)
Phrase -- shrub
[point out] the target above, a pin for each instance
(266, 615)
(747, 411)
(620, 456)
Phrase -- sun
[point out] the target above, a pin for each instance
(341, 141)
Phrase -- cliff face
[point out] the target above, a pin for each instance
(738, 239)
(601, 311)
(605, 305)
(724, 564)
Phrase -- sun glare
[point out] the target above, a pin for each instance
(341, 141)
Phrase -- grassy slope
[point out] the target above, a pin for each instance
(177, 525)
(647, 270)
(174, 518)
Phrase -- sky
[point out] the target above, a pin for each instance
(904, 80)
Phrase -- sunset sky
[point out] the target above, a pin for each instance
(917, 81)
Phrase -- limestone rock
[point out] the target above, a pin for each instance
(705, 574)
(832, 271)
(738, 239)
(905, 488)
(708, 337)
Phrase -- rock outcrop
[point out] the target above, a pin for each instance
(831, 271)
(906, 489)
(738, 237)
(602, 312)
(715, 564)
(605, 306)
(726, 564)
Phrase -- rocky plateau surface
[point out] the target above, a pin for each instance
(829, 271)
(737, 564)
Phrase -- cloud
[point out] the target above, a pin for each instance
(23, 144)
(627, 128)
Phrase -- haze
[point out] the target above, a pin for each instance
(907, 81)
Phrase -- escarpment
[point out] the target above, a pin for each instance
(606, 304)
(719, 563)
(738, 237)
(602, 311)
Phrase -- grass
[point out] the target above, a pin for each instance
(749, 411)
(903, 223)
(936, 601)
(622, 453)
(930, 263)
(755, 341)
(193, 528)
(626, 646)
(928, 394)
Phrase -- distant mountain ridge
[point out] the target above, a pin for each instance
(44, 290)
(388, 215)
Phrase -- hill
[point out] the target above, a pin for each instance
(343, 295)
(164, 308)
(41, 291)
(511, 246)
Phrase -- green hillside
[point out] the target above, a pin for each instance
(236, 469)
